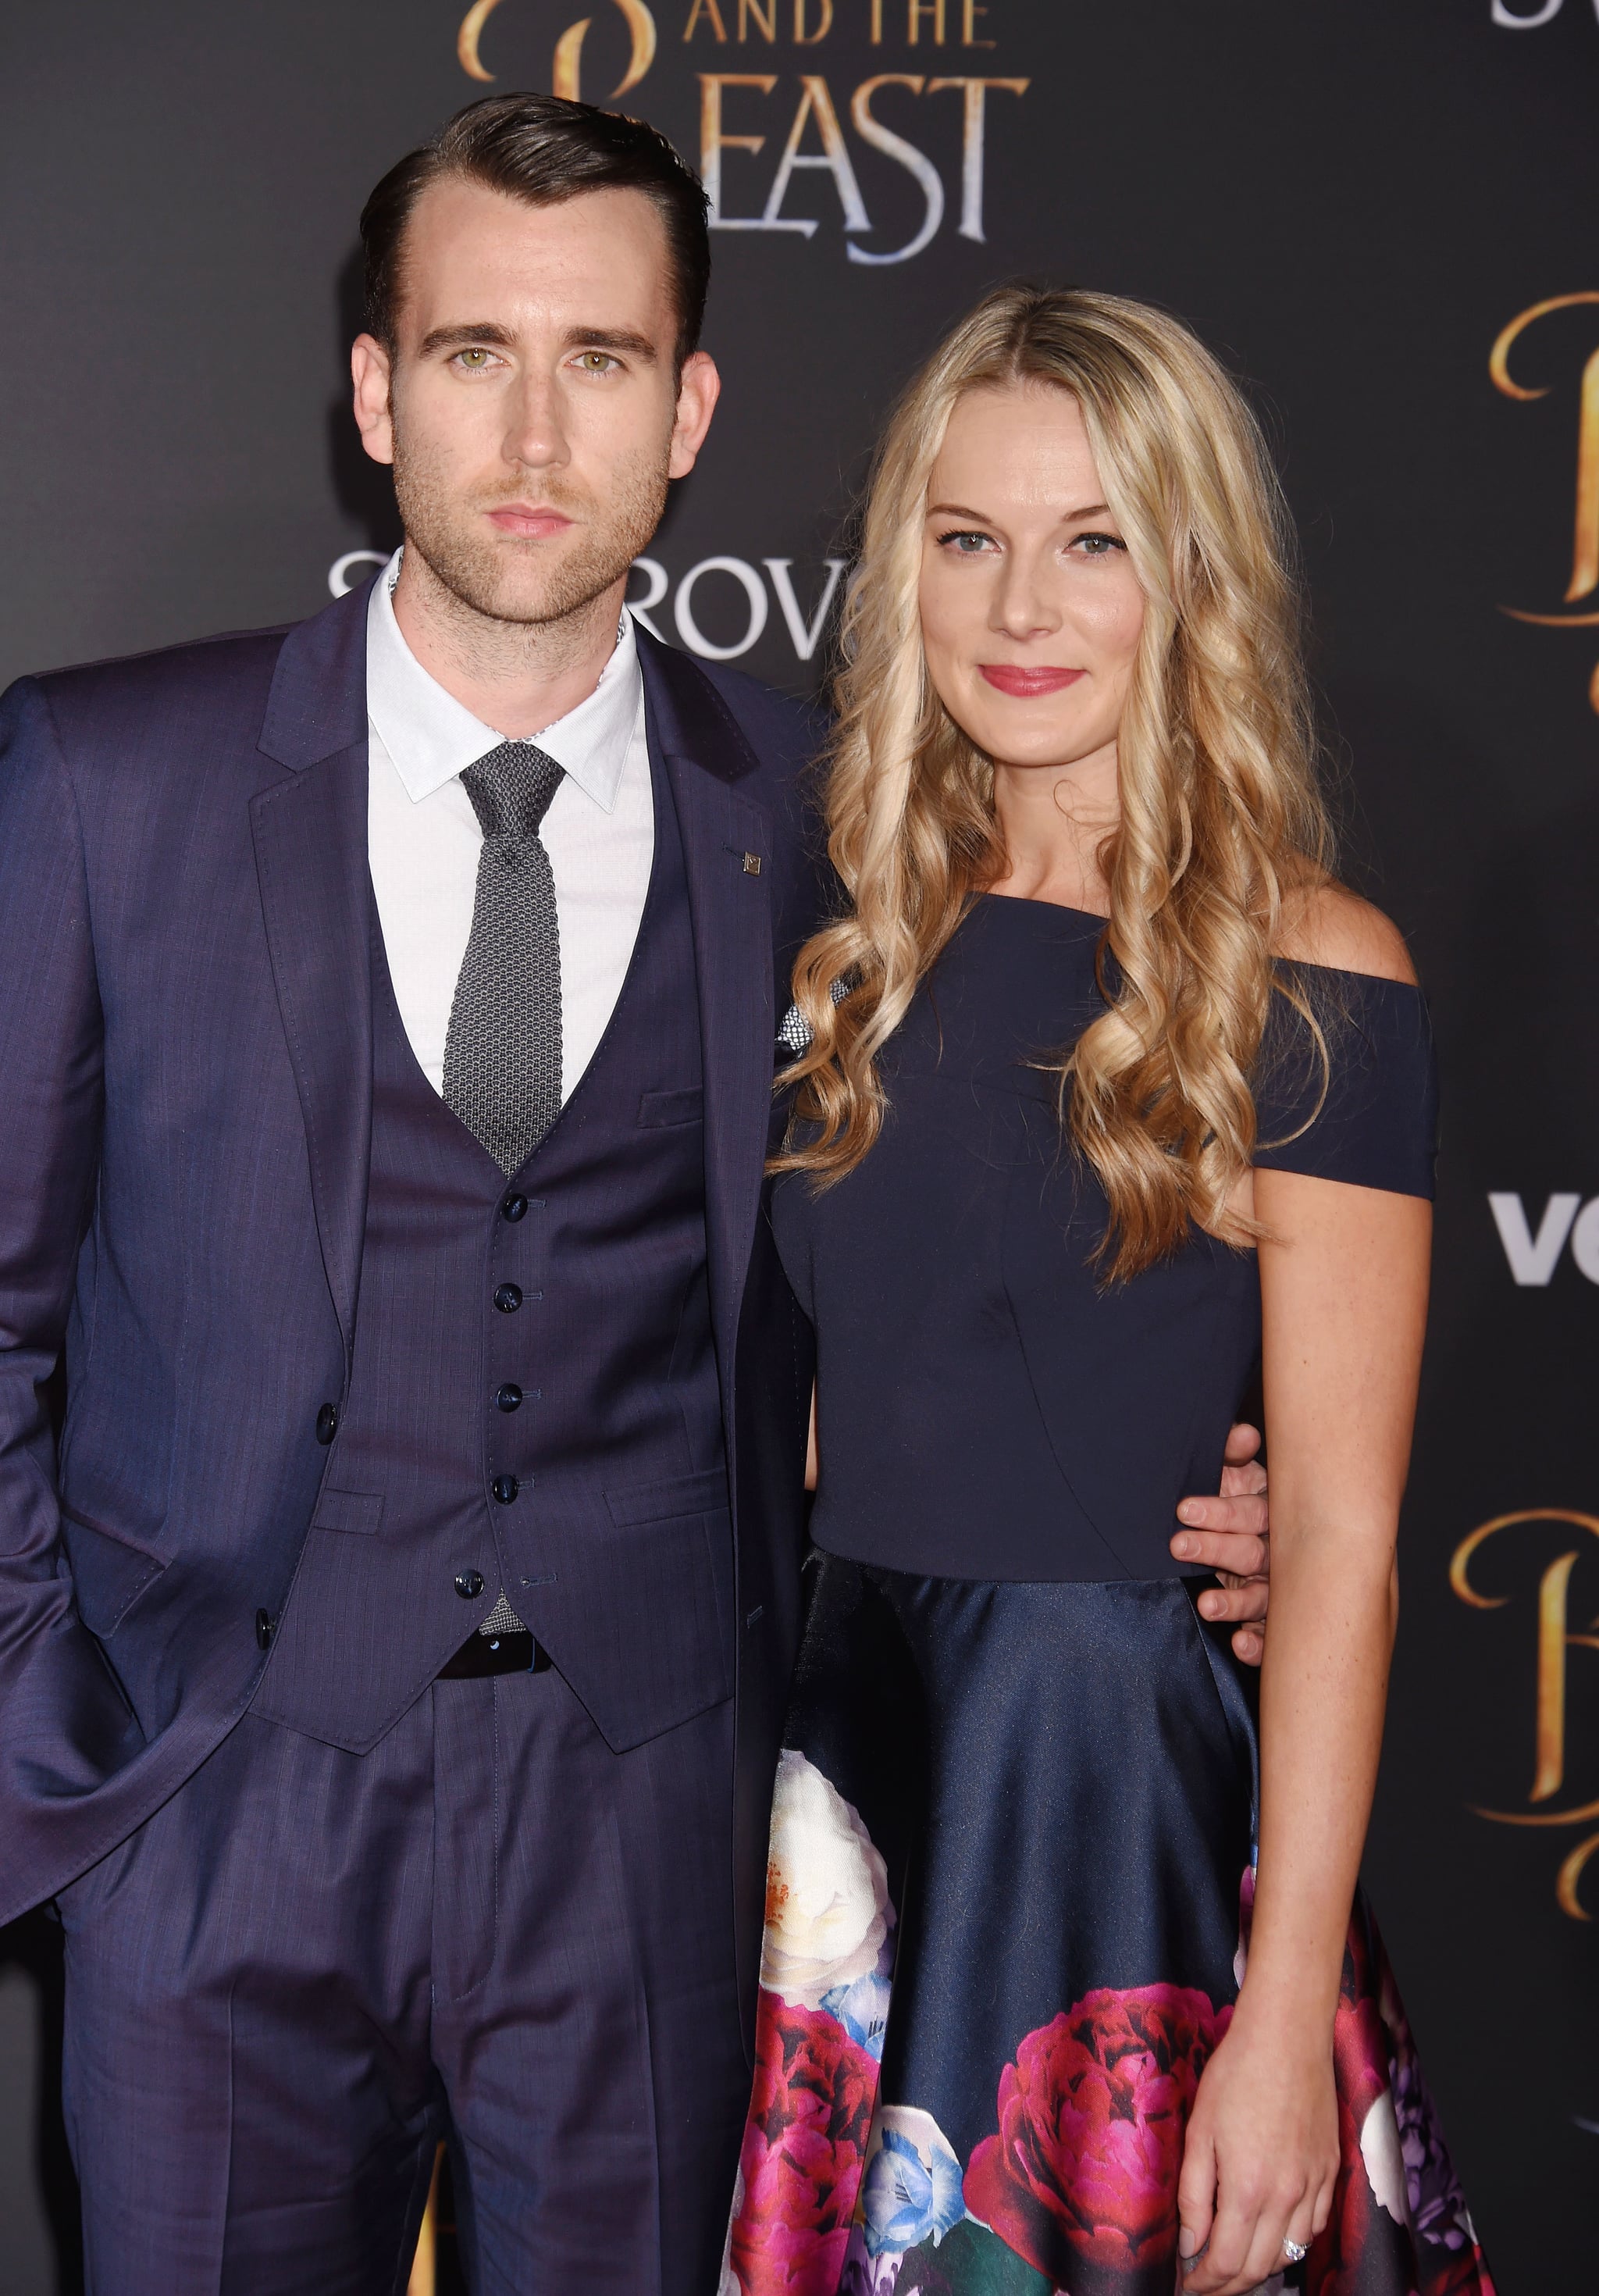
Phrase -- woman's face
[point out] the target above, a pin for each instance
(1030, 611)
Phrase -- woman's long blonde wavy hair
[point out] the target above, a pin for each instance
(1221, 816)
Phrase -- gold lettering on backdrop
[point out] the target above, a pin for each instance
(714, 140)
(569, 48)
(566, 77)
(1554, 1639)
(813, 21)
(1569, 1876)
(1585, 557)
(972, 140)
(870, 130)
(1584, 552)
(816, 102)
(470, 34)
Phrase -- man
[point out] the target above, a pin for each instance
(392, 1654)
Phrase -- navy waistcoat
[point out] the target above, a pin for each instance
(533, 1401)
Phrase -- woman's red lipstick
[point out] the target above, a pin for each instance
(1027, 684)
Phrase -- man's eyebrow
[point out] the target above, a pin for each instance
(612, 338)
(620, 339)
(458, 337)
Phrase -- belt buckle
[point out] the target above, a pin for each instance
(487, 1654)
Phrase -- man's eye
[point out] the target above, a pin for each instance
(596, 362)
(475, 360)
(965, 545)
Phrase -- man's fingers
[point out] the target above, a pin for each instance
(1237, 1553)
(1243, 1482)
(1239, 1604)
(1242, 1444)
(1237, 1514)
(1228, 1535)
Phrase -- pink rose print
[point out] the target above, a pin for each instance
(1092, 2115)
(804, 2146)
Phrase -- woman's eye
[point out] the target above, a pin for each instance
(1098, 546)
(966, 545)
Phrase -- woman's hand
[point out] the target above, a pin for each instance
(1261, 2155)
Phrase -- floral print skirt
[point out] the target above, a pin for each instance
(1008, 1904)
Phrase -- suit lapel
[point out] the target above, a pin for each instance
(727, 854)
(310, 844)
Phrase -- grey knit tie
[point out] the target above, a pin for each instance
(502, 1052)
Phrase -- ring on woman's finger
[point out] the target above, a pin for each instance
(1295, 2250)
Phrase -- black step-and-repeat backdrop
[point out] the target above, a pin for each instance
(1383, 214)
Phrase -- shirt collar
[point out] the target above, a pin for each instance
(431, 737)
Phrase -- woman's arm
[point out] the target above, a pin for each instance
(1344, 1287)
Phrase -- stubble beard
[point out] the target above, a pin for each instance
(516, 590)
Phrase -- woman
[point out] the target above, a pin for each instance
(1104, 1088)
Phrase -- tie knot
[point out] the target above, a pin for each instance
(511, 789)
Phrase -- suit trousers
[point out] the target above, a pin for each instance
(310, 1965)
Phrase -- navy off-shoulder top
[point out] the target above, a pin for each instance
(988, 1408)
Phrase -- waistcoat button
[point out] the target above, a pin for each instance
(468, 1584)
(513, 1207)
(265, 1627)
(504, 1489)
(327, 1423)
(508, 1397)
(508, 1298)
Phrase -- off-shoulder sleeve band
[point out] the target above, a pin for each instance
(1370, 1118)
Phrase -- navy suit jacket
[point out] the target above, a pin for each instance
(184, 1122)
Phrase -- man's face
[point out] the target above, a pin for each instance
(531, 410)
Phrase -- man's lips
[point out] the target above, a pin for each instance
(1027, 685)
(529, 520)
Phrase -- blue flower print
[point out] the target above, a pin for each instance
(861, 2009)
(912, 2189)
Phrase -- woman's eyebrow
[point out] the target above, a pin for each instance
(982, 518)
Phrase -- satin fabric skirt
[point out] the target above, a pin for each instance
(1008, 1904)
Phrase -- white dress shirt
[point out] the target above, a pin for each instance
(423, 839)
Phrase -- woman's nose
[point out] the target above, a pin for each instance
(1024, 605)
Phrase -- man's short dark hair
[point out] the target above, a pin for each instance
(543, 149)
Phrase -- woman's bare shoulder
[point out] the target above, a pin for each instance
(1327, 924)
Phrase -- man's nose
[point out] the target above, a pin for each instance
(535, 433)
